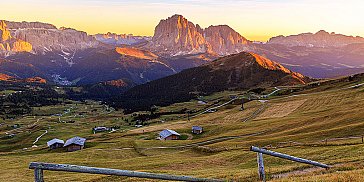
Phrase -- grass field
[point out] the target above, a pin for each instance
(314, 123)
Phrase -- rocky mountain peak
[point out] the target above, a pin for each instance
(176, 35)
(322, 32)
(225, 40)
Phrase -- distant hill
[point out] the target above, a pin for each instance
(319, 39)
(234, 72)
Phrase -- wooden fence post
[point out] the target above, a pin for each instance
(261, 171)
(38, 175)
(288, 157)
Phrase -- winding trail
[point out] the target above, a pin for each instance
(276, 90)
(37, 139)
(216, 107)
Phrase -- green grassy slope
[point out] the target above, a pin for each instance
(297, 124)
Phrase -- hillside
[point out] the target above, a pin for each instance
(320, 121)
(241, 71)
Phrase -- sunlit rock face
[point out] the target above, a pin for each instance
(9, 44)
(40, 38)
(178, 36)
(45, 40)
(137, 53)
(224, 40)
(5, 33)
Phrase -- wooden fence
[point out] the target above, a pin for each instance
(261, 151)
(39, 167)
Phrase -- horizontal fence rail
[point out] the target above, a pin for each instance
(288, 157)
(39, 167)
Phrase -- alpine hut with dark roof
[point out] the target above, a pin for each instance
(75, 143)
(169, 135)
(55, 143)
(197, 129)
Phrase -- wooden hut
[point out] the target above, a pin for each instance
(169, 135)
(197, 129)
(75, 143)
(55, 143)
(99, 129)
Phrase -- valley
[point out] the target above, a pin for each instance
(320, 121)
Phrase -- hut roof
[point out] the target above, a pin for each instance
(76, 141)
(166, 133)
(53, 141)
(196, 128)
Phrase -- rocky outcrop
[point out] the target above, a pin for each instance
(9, 44)
(29, 25)
(21, 46)
(4, 32)
(177, 36)
(42, 37)
(5, 77)
(319, 39)
(224, 40)
(36, 80)
(45, 40)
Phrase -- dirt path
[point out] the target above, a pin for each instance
(37, 139)
(159, 127)
(216, 107)
(258, 111)
(190, 137)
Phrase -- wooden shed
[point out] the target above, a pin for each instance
(55, 143)
(169, 135)
(75, 143)
(197, 129)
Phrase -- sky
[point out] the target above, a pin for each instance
(254, 19)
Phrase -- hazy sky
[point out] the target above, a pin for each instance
(254, 19)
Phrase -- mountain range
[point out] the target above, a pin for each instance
(66, 56)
